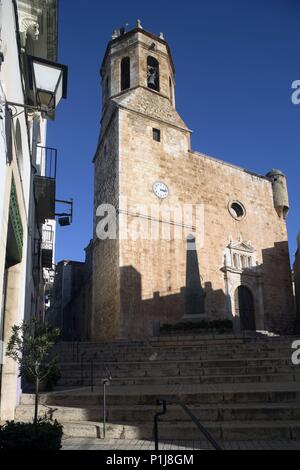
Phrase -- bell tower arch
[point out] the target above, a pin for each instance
(134, 59)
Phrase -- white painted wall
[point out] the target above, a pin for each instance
(11, 90)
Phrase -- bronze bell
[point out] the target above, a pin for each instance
(152, 77)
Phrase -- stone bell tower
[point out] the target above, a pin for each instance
(138, 122)
(137, 59)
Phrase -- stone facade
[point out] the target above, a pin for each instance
(27, 27)
(143, 282)
(71, 304)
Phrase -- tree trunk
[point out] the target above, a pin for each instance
(36, 405)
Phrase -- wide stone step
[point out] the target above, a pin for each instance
(175, 357)
(220, 431)
(184, 365)
(155, 370)
(189, 394)
(195, 379)
(178, 344)
(145, 413)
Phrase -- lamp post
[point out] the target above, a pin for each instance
(48, 82)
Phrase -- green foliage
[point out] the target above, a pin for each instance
(221, 326)
(51, 373)
(29, 346)
(44, 435)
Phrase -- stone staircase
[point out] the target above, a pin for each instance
(240, 388)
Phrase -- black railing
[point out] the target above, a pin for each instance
(162, 402)
(47, 249)
(48, 161)
(106, 380)
(87, 372)
(47, 239)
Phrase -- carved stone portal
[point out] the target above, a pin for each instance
(241, 269)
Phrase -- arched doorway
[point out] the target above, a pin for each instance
(244, 308)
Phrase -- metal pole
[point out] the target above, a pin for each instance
(104, 409)
(156, 432)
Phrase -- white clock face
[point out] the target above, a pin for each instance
(161, 190)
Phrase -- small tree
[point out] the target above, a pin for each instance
(29, 346)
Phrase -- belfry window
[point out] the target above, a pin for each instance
(125, 73)
(156, 135)
(153, 73)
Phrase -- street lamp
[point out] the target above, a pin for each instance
(48, 80)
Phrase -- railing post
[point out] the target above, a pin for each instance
(156, 432)
(104, 407)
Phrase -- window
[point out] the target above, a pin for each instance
(240, 255)
(237, 210)
(125, 73)
(156, 135)
(153, 73)
(236, 264)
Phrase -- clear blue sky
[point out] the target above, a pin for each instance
(235, 61)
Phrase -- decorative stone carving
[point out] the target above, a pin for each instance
(139, 24)
(241, 268)
(29, 26)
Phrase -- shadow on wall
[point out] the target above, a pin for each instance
(279, 300)
(267, 287)
(142, 317)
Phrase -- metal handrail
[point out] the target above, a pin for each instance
(163, 402)
(106, 382)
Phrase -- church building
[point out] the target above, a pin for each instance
(225, 257)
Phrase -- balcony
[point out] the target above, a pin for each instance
(47, 249)
(45, 183)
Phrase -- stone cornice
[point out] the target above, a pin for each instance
(38, 20)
